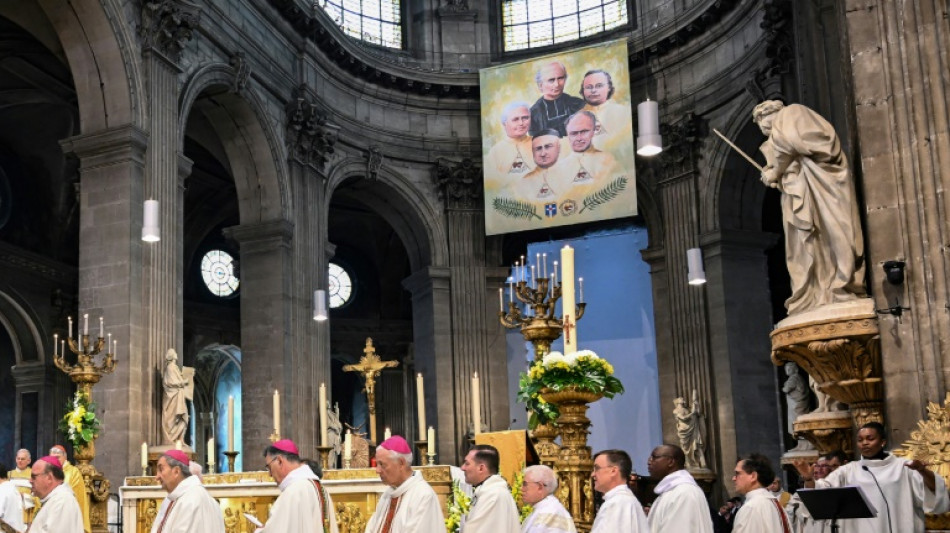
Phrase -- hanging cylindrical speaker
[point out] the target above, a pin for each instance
(649, 141)
(150, 232)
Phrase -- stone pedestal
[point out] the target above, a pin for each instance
(839, 345)
(827, 431)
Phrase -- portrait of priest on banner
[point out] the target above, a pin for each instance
(558, 140)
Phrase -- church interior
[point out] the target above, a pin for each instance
(311, 155)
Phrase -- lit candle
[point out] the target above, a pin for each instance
(421, 404)
(144, 455)
(211, 454)
(476, 404)
(70, 326)
(62, 348)
(501, 299)
(567, 300)
(544, 264)
(522, 269)
(115, 348)
(231, 443)
(102, 327)
(431, 440)
(511, 289)
(323, 414)
(178, 444)
(56, 345)
(109, 342)
(85, 324)
(554, 276)
(532, 277)
(580, 281)
(387, 434)
(277, 412)
(348, 446)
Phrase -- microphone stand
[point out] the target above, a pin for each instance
(886, 505)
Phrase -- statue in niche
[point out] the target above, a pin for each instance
(178, 385)
(826, 403)
(691, 430)
(796, 399)
(824, 244)
(334, 434)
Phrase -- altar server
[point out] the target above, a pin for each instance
(409, 504)
(303, 506)
(20, 477)
(680, 504)
(761, 512)
(493, 510)
(901, 491)
(11, 503)
(59, 511)
(75, 480)
(548, 515)
(621, 511)
(188, 506)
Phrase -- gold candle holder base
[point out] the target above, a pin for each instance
(325, 456)
(423, 447)
(231, 455)
(274, 437)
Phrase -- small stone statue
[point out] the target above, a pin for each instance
(796, 395)
(334, 435)
(826, 403)
(691, 430)
(824, 245)
(174, 401)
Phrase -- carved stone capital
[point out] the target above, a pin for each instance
(681, 152)
(460, 184)
(167, 25)
(242, 71)
(310, 137)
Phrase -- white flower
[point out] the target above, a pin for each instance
(553, 357)
(571, 358)
(586, 353)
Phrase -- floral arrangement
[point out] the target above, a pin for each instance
(458, 507)
(523, 509)
(581, 370)
(80, 425)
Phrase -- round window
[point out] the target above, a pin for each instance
(217, 270)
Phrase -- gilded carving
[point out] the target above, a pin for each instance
(350, 518)
(930, 443)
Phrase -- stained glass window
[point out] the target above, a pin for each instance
(536, 23)
(341, 286)
(374, 21)
(217, 271)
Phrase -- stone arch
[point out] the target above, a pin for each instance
(415, 219)
(21, 327)
(99, 48)
(251, 141)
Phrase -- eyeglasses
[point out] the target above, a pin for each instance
(525, 483)
(599, 468)
(268, 463)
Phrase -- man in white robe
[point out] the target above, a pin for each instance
(680, 504)
(493, 510)
(761, 512)
(510, 158)
(74, 479)
(801, 519)
(614, 121)
(409, 504)
(901, 491)
(11, 503)
(20, 477)
(59, 511)
(621, 511)
(548, 515)
(188, 508)
(303, 505)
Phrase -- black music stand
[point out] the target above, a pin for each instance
(838, 502)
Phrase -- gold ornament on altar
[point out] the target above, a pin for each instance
(370, 366)
(930, 443)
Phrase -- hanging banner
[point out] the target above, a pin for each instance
(557, 140)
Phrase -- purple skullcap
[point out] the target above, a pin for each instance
(396, 444)
(287, 446)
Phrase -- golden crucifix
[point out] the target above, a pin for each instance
(370, 366)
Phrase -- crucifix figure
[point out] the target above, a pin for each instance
(568, 326)
(370, 366)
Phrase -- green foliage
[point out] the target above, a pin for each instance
(458, 504)
(80, 425)
(515, 209)
(604, 195)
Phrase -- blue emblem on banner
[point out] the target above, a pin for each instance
(550, 210)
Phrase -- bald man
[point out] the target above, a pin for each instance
(680, 503)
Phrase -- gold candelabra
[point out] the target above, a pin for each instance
(538, 323)
(85, 373)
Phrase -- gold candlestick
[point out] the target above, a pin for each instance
(274, 437)
(541, 327)
(231, 455)
(325, 456)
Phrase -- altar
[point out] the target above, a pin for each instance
(355, 493)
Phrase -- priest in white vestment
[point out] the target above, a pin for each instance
(680, 503)
(493, 510)
(548, 515)
(901, 491)
(621, 511)
(74, 479)
(409, 504)
(20, 476)
(510, 158)
(11, 503)
(59, 511)
(761, 511)
(188, 508)
(303, 506)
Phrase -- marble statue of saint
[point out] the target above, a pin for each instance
(691, 432)
(174, 404)
(826, 403)
(334, 434)
(796, 394)
(824, 244)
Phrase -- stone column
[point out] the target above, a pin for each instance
(112, 169)
(267, 302)
(432, 331)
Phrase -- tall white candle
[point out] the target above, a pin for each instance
(231, 443)
(70, 326)
(115, 348)
(211, 454)
(501, 299)
(178, 444)
(85, 324)
(348, 446)
(323, 414)
(544, 264)
(430, 439)
(476, 404)
(62, 348)
(421, 404)
(276, 412)
(523, 269)
(56, 345)
(511, 289)
(567, 300)
(580, 281)
(387, 434)
(102, 327)
(144, 455)
(109, 342)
